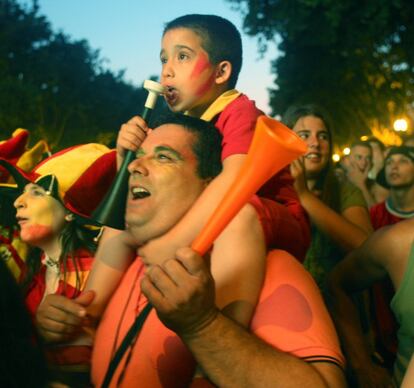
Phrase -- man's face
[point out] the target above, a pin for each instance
(187, 73)
(313, 131)
(163, 184)
(361, 157)
(40, 216)
(399, 171)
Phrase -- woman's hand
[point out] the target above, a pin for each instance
(297, 169)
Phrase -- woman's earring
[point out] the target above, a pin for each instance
(69, 217)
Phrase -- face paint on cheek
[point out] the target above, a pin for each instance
(206, 86)
(200, 67)
(35, 232)
(202, 64)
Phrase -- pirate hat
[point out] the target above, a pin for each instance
(78, 177)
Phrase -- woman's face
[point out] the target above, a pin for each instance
(40, 216)
(314, 132)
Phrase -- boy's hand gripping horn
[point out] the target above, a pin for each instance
(111, 211)
(274, 146)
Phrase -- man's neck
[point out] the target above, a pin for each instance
(402, 199)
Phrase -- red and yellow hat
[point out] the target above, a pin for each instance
(78, 176)
(15, 151)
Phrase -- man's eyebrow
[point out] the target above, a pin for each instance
(170, 150)
(140, 152)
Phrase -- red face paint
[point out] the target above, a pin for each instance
(202, 64)
(34, 233)
(203, 89)
(200, 67)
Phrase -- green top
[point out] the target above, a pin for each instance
(324, 254)
(402, 304)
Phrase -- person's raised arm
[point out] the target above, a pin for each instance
(356, 272)
(116, 248)
(182, 291)
(360, 179)
(130, 137)
(348, 229)
(115, 252)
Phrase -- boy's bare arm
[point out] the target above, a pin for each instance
(114, 254)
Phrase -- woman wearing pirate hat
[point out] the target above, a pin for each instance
(52, 205)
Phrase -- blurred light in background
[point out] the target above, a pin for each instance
(336, 157)
(400, 125)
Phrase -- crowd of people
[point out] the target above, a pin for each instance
(309, 284)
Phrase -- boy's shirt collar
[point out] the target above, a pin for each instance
(219, 104)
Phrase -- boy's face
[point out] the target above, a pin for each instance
(187, 73)
(399, 171)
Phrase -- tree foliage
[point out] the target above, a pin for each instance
(55, 86)
(354, 58)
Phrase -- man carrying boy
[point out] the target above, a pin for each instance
(171, 170)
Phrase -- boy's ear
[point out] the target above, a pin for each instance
(224, 69)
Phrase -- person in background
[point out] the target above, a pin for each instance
(398, 177)
(409, 141)
(338, 213)
(52, 205)
(23, 363)
(378, 155)
(389, 251)
(16, 151)
(358, 168)
(408, 380)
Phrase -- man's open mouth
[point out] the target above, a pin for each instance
(139, 193)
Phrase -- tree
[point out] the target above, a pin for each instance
(56, 87)
(354, 58)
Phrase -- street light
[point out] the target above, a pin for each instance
(400, 125)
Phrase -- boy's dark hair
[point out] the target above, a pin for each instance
(207, 147)
(219, 37)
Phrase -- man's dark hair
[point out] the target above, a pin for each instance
(219, 37)
(374, 139)
(360, 143)
(206, 148)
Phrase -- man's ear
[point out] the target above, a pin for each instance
(224, 70)
(207, 181)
